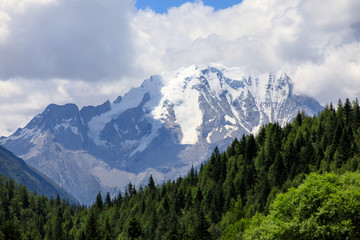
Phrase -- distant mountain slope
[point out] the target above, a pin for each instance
(172, 121)
(15, 168)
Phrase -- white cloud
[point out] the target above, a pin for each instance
(310, 40)
(88, 51)
(75, 39)
(337, 76)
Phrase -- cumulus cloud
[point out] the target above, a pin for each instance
(74, 39)
(315, 42)
(337, 76)
(62, 50)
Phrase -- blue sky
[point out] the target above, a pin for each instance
(161, 6)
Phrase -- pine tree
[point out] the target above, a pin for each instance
(57, 229)
(151, 184)
(40, 225)
(107, 236)
(356, 115)
(49, 231)
(10, 185)
(131, 190)
(108, 200)
(134, 230)
(347, 114)
(82, 236)
(108, 230)
(10, 230)
(152, 222)
(188, 199)
(57, 201)
(201, 228)
(24, 197)
(174, 231)
(99, 201)
(91, 228)
(198, 198)
(119, 200)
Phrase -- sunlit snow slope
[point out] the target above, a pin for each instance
(173, 120)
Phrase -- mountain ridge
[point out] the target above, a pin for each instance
(172, 121)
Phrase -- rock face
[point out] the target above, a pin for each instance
(172, 121)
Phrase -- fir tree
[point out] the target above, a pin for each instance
(201, 231)
(10, 230)
(91, 228)
(108, 202)
(99, 201)
(151, 184)
(134, 230)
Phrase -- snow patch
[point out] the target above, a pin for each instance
(66, 125)
(255, 130)
(230, 130)
(179, 90)
(230, 119)
(96, 124)
(208, 137)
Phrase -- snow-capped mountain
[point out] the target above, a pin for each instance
(172, 121)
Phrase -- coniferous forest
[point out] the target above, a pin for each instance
(300, 181)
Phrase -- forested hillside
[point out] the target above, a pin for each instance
(16, 169)
(224, 194)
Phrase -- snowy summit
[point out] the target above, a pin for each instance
(172, 121)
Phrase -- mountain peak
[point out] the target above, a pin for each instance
(171, 121)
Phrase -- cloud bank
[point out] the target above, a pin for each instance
(88, 51)
(315, 42)
(74, 39)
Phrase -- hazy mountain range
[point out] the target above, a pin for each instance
(15, 168)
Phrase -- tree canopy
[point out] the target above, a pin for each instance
(253, 189)
(325, 206)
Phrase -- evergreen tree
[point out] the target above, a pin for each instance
(57, 200)
(151, 184)
(57, 227)
(107, 236)
(253, 170)
(10, 230)
(201, 231)
(10, 188)
(134, 230)
(131, 190)
(198, 198)
(174, 230)
(91, 228)
(99, 201)
(108, 200)
(24, 197)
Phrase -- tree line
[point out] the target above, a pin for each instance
(221, 198)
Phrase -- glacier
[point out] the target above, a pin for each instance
(172, 121)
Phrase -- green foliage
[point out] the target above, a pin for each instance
(235, 231)
(201, 227)
(10, 230)
(91, 227)
(230, 194)
(325, 206)
(134, 230)
(99, 202)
